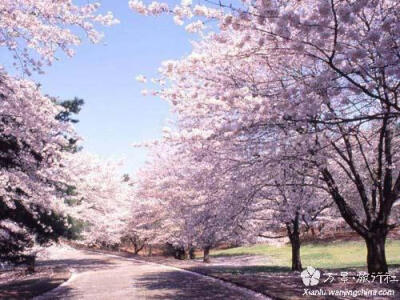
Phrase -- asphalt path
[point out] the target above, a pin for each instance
(98, 276)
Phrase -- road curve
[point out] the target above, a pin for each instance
(100, 276)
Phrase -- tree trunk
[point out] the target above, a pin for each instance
(296, 259)
(206, 257)
(313, 232)
(294, 237)
(31, 260)
(376, 257)
(192, 254)
(186, 254)
(138, 246)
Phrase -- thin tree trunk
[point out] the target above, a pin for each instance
(206, 257)
(138, 246)
(192, 253)
(186, 254)
(313, 232)
(294, 237)
(31, 261)
(376, 257)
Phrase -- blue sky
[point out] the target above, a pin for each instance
(115, 114)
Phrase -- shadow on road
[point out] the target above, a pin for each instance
(29, 288)
(181, 285)
(78, 264)
(62, 292)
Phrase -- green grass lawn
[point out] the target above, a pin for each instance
(339, 254)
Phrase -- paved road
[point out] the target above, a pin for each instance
(97, 277)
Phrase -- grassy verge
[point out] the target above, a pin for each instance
(339, 254)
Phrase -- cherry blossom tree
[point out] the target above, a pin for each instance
(101, 199)
(32, 142)
(33, 134)
(293, 202)
(327, 69)
(189, 208)
(167, 217)
(214, 198)
(33, 31)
